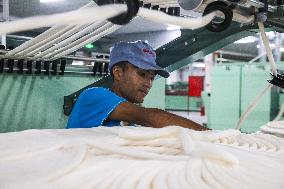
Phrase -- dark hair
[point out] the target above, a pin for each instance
(122, 65)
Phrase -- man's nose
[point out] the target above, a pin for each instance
(148, 82)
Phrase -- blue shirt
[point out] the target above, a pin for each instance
(93, 107)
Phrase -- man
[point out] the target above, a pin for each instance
(133, 68)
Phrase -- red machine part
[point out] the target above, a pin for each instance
(195, 85)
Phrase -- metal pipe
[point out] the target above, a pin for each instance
(86, 59)
(5, 18)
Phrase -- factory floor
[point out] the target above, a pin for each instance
(194, 116)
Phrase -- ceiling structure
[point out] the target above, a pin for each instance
(138, 28)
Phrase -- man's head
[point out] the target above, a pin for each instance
(133, 67)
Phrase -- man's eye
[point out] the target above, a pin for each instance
(142, 74)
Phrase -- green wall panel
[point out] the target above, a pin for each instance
(182, 103)
(225, 97)
(253, 83)
(35, 102)
(156, 96)
(234, 87)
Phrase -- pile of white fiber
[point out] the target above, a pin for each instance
(140, 158)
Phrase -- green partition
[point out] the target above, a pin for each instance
(225, 97)
(182, 103)
(156, 96)
(253, 83)
(234, 87)
(35, 102)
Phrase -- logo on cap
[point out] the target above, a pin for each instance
(149, 52)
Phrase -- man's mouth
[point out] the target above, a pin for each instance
(145, 92)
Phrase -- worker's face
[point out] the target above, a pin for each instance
(136, 83)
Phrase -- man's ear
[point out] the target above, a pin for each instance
(117, 72)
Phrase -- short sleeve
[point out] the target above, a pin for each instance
(93, 107)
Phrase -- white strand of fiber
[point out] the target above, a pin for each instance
(104, 12)
(186, 23)
(65, 47)
(35, 40)
(267, 48)
(206, 151)
(43, 36)
(114, 149)
(63, 40)
(25, 52)
(84, 16)
(132, 134)
(90, 40)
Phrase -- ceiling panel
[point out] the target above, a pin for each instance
(25, 8)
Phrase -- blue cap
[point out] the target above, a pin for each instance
(139, 54)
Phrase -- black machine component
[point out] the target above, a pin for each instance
(95, 68)
(46, 67)
(174, 11)
(2, 64)
(62, 66)
(225, 9)
(177, 11)
(20, 66)
(141, 3)
(171, 10)
(147, 5)
(54, 67)
(277, 80)
(10, 66)
(29, 67)
(101, 69)
(155, 7)
(106, 69)
(163, 10)
(124, 18)
(280, 2)
(38, 67)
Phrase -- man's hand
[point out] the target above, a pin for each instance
(151, 117)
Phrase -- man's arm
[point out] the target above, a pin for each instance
(151, 117)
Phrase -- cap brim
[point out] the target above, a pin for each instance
(160, 71)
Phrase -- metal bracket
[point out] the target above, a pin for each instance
(277, 80)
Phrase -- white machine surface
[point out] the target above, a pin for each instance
(140, 157)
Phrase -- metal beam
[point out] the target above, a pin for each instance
(193, 45)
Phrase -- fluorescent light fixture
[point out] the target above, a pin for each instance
(249, 39)
(49, 1)
(78, 63)
(173, 27)
(271, 45)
